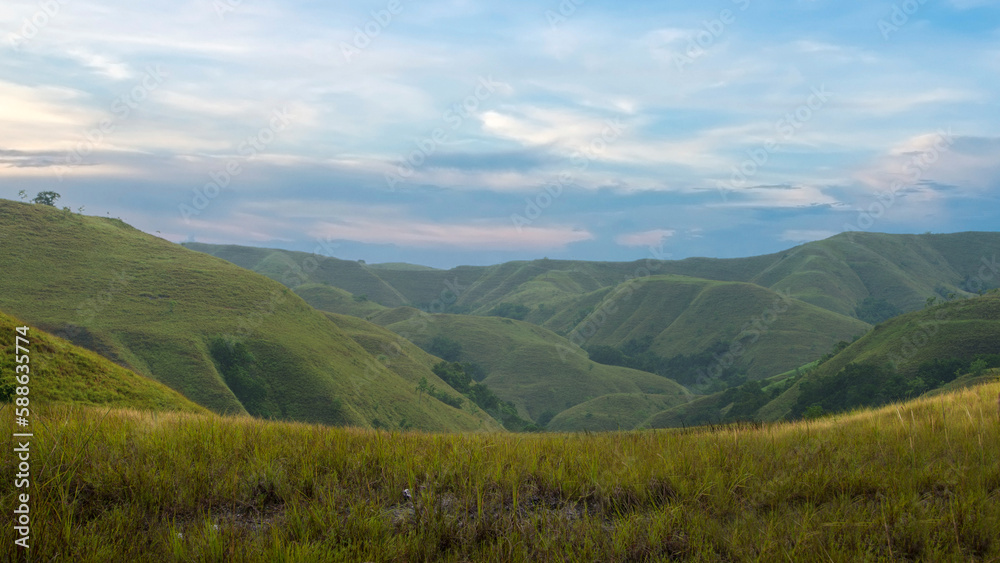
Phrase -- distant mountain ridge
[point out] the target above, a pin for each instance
(836, 274)
(835, 288)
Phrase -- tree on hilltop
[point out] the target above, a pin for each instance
(46, 198)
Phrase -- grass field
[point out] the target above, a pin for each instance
(914, 481)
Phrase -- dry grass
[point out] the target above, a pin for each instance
(915, 481)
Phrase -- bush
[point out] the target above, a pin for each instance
(514, 311)
(874, 311)
(445, 348)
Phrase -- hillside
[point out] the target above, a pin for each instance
(700, 321)
(836, 274)
(906, 482)
(909, 346)
(297, 268)
(539, 371)
(613, 412)
(915, 353)
(61, 373)
(403, 358)
(335, 300)
(761, 331)
(224, 337)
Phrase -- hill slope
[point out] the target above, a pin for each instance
(762, 331)
(837, 274)
(539, 371)
(63, 373)
(224, 337)
(908, 355)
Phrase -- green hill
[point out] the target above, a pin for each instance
(335, 300)
(63, 373)
(922, 349)
(613, 412)
(296, 268)
(915, 353)
(539, 371)
(226, 338)
(761, 331)
(837, 274)
(410, 363)
(693, 306)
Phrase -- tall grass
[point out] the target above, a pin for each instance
(913, 481)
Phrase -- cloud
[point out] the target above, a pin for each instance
(777, 197)
(969, 165)
(421, 234)
(645, 238)
(490, 161)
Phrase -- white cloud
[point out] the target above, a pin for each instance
(420, 234)
(645, 238)
(776, 197)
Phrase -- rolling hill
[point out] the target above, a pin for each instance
(763, 332)
(539, 371)
(226, 338)
(836, 274)
(918, 352)
(612, 412)
(61, 373)
(834, 289)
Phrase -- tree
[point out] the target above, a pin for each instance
(46, 198)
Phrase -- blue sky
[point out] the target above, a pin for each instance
(471, 132)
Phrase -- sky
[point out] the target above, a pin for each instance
(473, 132)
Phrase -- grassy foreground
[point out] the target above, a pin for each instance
(916, 481)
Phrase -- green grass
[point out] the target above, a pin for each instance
(687, 315)
(63, 373)
(335, 300)
(959, 329)
(835, 274)
(914, 481)
(412, 364)
(155, 307)
(536, 369)
(618, 411)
